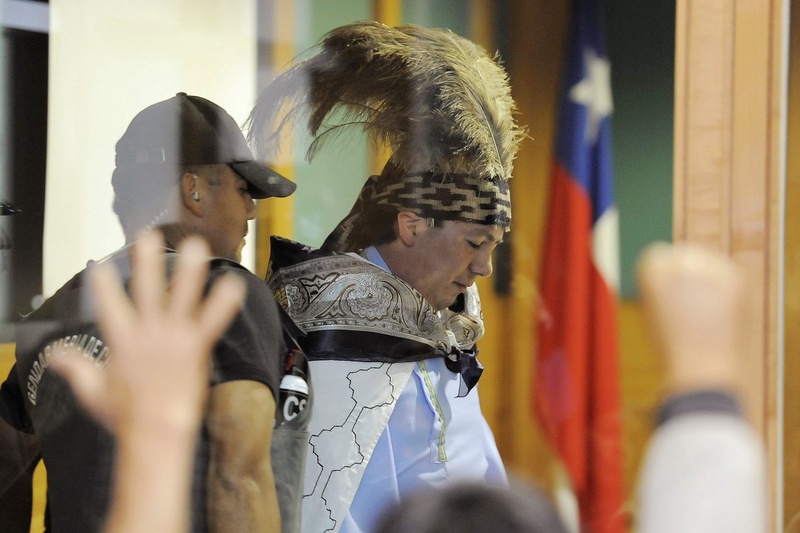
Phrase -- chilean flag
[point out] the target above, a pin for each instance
(576, 392)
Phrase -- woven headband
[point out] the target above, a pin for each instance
(462, 197)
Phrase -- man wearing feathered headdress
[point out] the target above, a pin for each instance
(389, 304)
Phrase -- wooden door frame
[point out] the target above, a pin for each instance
(730, 119)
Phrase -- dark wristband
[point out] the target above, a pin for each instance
(702, 401)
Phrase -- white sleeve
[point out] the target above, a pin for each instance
(703, 472)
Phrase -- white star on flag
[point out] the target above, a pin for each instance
(594, 92)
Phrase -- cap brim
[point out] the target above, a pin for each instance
(264, 182)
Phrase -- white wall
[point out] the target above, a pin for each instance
(109, 60)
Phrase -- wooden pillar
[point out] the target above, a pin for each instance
(729, 123)
(537, 31)
(497, 404)
(791, 367)
(276, 48)
(390, 12)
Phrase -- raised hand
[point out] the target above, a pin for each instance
(694, 300)
(152, 393)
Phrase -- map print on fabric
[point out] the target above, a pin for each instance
(352, 406)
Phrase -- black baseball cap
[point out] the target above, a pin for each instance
(190, 130)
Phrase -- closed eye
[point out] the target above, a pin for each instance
(490, 244)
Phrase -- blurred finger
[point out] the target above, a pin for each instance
(189, 277)
(650, 263)
(115, 314)
(221, 306)
(147, 281)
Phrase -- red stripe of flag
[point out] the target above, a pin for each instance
(576, 393)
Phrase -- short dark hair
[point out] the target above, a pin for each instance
(379, 226)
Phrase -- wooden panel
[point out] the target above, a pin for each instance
(642, 381)
(728, 125)
(496, 403)
(537, 30)
(390, 12)
(482, 24)
(702, 107)
(791, 426)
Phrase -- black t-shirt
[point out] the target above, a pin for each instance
(78, 452)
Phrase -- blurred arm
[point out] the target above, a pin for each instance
(704, 469)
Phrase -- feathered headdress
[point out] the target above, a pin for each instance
(439, 101)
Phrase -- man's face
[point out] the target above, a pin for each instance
(229, 207)
(446, 259)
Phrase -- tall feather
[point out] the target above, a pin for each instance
(436, 99)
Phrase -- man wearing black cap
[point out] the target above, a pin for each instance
(182, 166)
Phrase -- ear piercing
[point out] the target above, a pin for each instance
(196, 193)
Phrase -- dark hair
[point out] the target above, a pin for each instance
(379, 226)
(473, 507)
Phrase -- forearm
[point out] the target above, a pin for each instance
(704, 469)
(241, 488)
(241, 500)
(153, 481)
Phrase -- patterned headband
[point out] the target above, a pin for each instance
(462, 197)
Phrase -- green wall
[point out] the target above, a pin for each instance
(327, 186)
(452, 14)
(641, 46)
